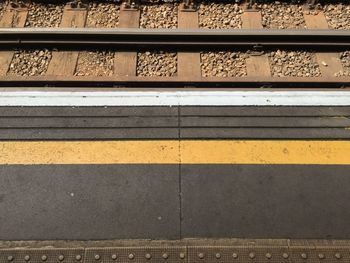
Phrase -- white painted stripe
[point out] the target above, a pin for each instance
(174, 98)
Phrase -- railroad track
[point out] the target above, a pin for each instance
(189, 54)
(179, 40)
(176, 129)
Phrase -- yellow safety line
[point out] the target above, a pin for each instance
(89, 152)
(175, 152)
(266, 152)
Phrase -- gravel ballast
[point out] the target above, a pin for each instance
(293, 64)
(219, 15)
(345, 61)
(282, 15)
(95, 63)
(30, 62)
(159, 16)
(223, 64)
(152, 64)
(3, 5)
(103, 15)
(337, 16)
(44, 15)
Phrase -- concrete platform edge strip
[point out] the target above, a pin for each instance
(175, 98)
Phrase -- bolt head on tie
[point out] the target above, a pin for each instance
(321, 256)
(10, 258)
(131, 256)
(201, 255)
(337, 255)
(252, 255)
(304, 255)
(235, 255)
(285, 255)
(165, 256)
(60, 257)
(78, 257)
(182, 255)
(43, 257)
(114, 256)
(218, 255)
(97, 257)
(27, 258)
(268, 255)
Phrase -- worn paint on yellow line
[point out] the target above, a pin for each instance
(266, 152)
(175, 152)
(89, 152)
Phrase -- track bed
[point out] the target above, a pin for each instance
(255, 65)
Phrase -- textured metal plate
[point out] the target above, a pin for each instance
(136, 254)
(180, 251)
(239, 254)
(308, 251)
(320, 254)
(52, 255)
(272, 253)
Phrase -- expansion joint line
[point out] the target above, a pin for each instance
(179, 166)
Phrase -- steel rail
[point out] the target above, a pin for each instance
(198, 39)
(176, 82)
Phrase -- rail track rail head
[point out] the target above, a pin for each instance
(198, 39)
